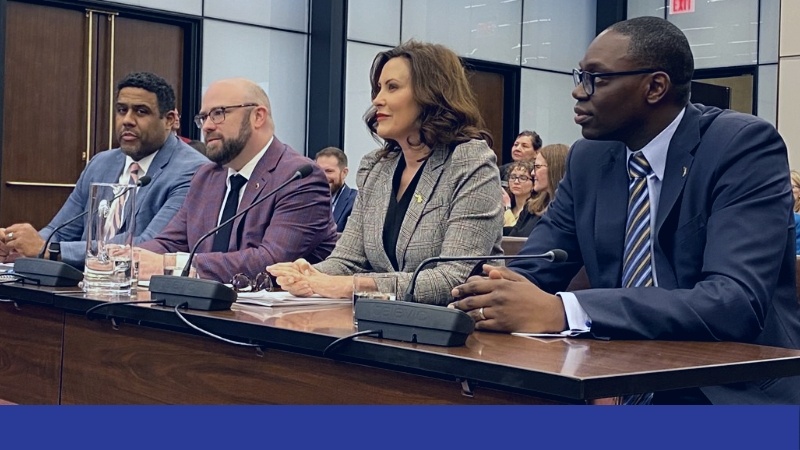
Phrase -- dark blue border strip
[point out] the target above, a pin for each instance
(376, 427)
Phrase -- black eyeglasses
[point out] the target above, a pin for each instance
(217, 114)
(587, 78)
(243, 283)
(519, 179)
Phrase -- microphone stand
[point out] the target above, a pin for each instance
(206, 295)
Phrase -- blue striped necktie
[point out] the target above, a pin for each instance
(637, 269)
(637, 265)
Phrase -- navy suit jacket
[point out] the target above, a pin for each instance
(723, 243)
(295, 222)
(170, 173)
(344, 206)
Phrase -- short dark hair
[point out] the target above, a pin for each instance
(449, 110)
(336, 153)
(152, 83)
(658, 44)
(536, 140)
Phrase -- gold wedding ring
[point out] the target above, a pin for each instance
(480, 311)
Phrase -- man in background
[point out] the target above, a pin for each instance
(333, 162)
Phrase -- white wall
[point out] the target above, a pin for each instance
(262, 40)
(267, 41)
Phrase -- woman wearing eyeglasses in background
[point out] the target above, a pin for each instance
(548, 170)
(796, 193)
(520, 185)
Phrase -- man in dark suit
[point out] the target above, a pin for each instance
(295, 222)
(719, 264)
(333, 162)
(144, 119)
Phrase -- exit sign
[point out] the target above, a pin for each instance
(681, 6)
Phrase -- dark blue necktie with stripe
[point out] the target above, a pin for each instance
(637, 268)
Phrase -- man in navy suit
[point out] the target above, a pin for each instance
(333, 162)
(144, 118)
(720, 263)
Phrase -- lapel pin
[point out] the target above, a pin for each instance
(685, 170)
(418, 197)
(258, 185)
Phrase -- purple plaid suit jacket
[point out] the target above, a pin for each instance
(294, 223)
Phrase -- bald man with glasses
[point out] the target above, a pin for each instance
(249, 161)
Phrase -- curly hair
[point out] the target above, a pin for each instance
(449, 111)
(152, 83)
(555, 155)
(527, 167)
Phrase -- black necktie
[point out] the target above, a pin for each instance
(223, 236)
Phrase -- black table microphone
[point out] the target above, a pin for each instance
(206, 295)
(59, 273)
(429, 324)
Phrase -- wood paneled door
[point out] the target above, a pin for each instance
(496, 88)
(59, 72)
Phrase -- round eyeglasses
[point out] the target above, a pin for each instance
(243, 283)
(217, 114)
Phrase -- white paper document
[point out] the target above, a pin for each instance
(563, 334)
(273, 299)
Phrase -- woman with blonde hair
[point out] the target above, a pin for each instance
(795, 175)
(548, 170)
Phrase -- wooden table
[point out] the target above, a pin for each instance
(51, 353)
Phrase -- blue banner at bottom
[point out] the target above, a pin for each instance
(382, 427)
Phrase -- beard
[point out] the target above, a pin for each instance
(139, 149)
(233, 147)
(336, 185)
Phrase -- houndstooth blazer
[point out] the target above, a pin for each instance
(455, 211)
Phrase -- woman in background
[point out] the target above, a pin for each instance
(520, 184)
(431, 189)
(796, 193)
(548, 170)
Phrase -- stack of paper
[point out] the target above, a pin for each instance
(272, 299)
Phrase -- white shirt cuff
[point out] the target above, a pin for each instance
(577, 319)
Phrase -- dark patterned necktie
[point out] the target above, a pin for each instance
(223, 236)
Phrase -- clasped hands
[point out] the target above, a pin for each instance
(19, 240)
(503, 300)
(301, 279)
